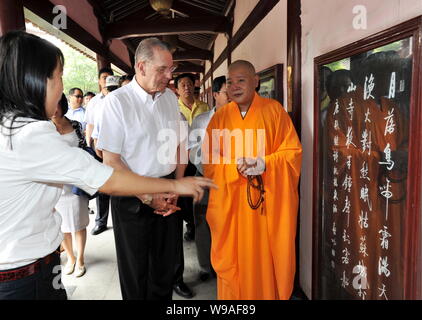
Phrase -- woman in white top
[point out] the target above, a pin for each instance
(35, 163)
(72, 208)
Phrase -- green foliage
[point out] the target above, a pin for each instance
(339, 65)
(395, 46)
(79, 71)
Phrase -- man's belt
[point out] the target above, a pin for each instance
(26, 271)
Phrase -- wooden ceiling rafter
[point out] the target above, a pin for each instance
(132, 28)
(44, 9)
(192, 55)
(196, 23)
(189, 67)
(211, 7)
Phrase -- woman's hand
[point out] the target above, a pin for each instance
(193, 186)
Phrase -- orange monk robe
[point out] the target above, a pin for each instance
(253, 251)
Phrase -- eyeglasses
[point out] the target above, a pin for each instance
(77, 96)
(163, 70)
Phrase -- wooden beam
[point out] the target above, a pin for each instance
(294, 63)
(98, 10)
(129, 46)
(133, 28)
(44, 9)
(260, 11)
(191, 11)
(11, 16)
(102, 62)
(189, 68)
(140, 15)
(192, 55)
(229, 6)
(189, 47)
(229, 13)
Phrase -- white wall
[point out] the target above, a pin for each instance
(219, 45)
(221, 70)
(328, 25)
(265, 46)
(241, 11)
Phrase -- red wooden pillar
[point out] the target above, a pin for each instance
(103, 62)
(11, 16)
(294, 98)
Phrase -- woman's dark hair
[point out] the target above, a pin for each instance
(26, 61)
(105, 70)
(64, 105)
(184, 75)
(89, 93)
(72, 91)
(218, 83)
(125, 78)
(338, 82)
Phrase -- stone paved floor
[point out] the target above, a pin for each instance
(101, 281)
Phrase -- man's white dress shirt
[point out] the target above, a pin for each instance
(77, 115)
(196, 138)
(143, 130)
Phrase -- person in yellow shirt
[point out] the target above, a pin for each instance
(189, 106)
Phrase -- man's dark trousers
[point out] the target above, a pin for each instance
(146, 249)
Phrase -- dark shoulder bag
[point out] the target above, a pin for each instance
(82, 144)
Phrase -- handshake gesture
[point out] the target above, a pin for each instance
(166, 203)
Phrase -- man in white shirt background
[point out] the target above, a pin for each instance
(197, 130)
(112, 83)
(134, 133)
(90, 108)
(76, 111)
(87, 97)
(103, 200)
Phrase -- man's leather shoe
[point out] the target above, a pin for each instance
(205, 276)
(190, 232)
(183, 290)
(98, 229)
(189, 235)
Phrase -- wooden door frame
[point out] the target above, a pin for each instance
(411, 28)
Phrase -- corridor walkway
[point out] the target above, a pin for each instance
(101, 281)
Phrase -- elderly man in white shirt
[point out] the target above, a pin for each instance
(103, 200)
(139, 132)
(76, 112)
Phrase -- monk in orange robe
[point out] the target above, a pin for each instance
(253, 250)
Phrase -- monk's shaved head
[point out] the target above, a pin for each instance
(242, 81)
(244, 65)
